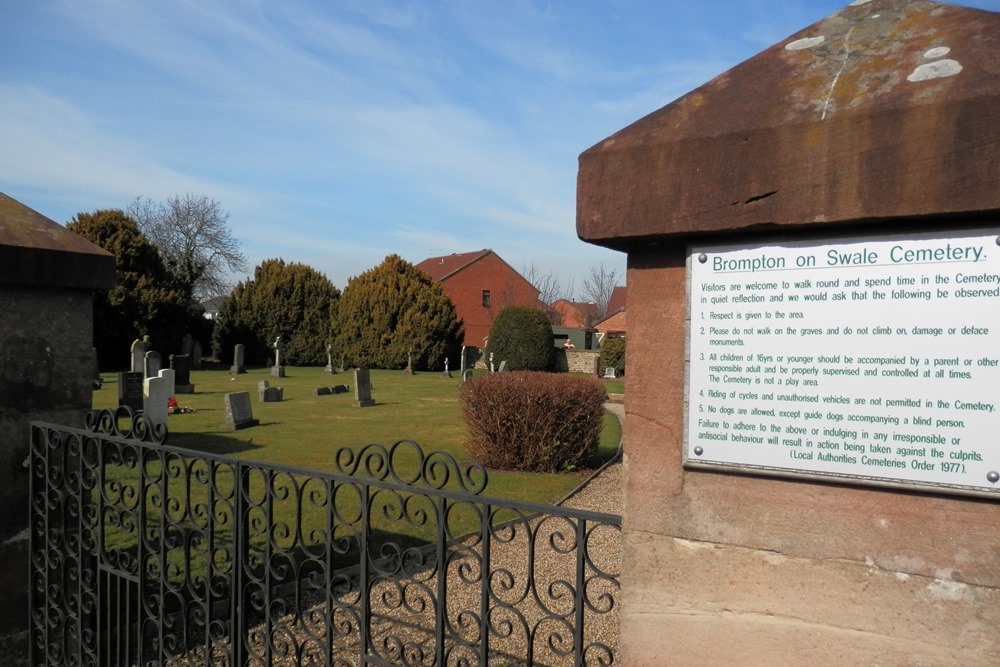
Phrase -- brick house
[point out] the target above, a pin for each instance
(616, 302)
(480, 284)
(574, 314)
(612, 326)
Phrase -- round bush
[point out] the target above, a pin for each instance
(530, 421)
(523, 338)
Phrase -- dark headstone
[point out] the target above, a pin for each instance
(271, 394)
(268, 394)
(362, 389)
(335, 389)
(239, 354)
(130, 389)
(239, 414)
(181, 365)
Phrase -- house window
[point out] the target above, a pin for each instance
(486, 298)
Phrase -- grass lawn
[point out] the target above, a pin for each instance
(305, 431)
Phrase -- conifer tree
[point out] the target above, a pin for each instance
(147, 298)
(290, 300)
(395, 310)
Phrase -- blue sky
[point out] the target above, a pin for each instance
(337, 132)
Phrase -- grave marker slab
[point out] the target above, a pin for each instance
(130, 391)
(137, 360)
(153, 364)
(239, 353)
(239, 414)
(181, 365)
(156, 391)
(362, 389)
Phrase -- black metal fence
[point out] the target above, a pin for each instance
(145, 554)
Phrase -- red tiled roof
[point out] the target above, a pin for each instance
(617, 300)
(440, 268)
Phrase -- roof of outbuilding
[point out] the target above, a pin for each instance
(35, 250)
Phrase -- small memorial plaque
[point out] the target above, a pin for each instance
(871, 359)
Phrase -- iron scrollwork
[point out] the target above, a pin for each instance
(146, 554)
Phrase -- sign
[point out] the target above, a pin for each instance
(873, 359)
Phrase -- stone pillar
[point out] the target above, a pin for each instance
(748, 567)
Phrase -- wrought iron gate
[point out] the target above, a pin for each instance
(145, 554)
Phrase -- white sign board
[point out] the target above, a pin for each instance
(873, 359)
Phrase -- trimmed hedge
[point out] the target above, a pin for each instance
(532, 421)
(613, 355)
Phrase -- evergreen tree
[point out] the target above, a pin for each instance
(393, 309)
(293, 301)
(523, 338)
(147, 298)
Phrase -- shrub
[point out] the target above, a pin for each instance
(535, 422)
(613, 355)
(292, 300)
(523, 338)
(392, 310)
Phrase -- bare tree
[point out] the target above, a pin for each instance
(194, 240)
(599, 284)
(547, 284)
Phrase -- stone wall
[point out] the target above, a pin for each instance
(46, 374)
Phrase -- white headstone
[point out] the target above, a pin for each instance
(156, 391)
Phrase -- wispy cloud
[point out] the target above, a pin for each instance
(336, 133)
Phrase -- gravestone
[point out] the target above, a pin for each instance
(137, 360)
(239, 353)
(609, 373)
(156, 391)
(503, 367)
(130, 389)
(329, 361)
(268, 394)
(409, 362)
(181, 365)
(153, 363)
(238, 413)
(187, 345)
(362, 389)
(446, 373)
(196, 354)
(327, 391)
(278, 370)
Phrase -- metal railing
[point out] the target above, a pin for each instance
(145, 554)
